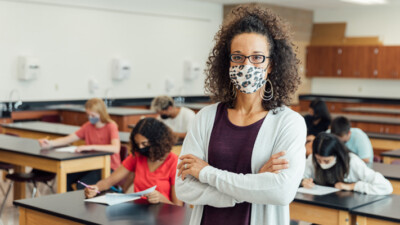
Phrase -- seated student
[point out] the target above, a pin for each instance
(177, 118)
(100, 133)
(318, 119)
(355, 139)
(331, 164)
(151, 162)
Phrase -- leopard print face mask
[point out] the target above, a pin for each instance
(246, 78)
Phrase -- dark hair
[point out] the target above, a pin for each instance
(326, 144)
(320, 110)
(160, 137)
(284, 75)
(340, 126)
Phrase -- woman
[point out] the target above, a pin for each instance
(225, 165)
(331, 164)
(152, 163)
(318, 119)
(100, 133)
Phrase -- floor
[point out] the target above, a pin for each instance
(10, 214)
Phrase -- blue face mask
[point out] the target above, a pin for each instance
(94, 120)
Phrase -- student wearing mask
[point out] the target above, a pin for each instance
(151, 162)
(318, 118)
(331, 164)
(355, 139)
(177, 118)
(100, 134)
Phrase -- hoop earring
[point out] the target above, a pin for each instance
(270, 93)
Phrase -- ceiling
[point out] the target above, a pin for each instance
(307, 4)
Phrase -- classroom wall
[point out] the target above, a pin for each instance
(366, 21)
(76, 40)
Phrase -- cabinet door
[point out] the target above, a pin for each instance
(389, 62)
(319, 61)
(350, 61)
(374, 54)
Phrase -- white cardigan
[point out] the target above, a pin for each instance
(269, 193)
(367, 180)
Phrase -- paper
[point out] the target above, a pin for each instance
(116, 198)
(66, 149)
(318, 190)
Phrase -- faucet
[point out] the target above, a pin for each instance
(17, 103)
(107, 99)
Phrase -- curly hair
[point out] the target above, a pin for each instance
(160, 137)
(284, 76)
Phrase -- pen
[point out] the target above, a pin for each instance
(98, 192)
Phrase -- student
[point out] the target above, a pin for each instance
(100, 133)
(354, 138)
(152, 163)
(331, 164)
(177, 118)
(252, 72)
(318, 119)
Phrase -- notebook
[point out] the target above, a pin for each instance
(117, 198)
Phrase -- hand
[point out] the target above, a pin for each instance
(45, 143)
(154, 197)
(91, 191)
(274, 164)
(82, 148)
(308, 183)
(345, 186)
(190, 165)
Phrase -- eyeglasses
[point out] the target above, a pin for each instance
(255, 59)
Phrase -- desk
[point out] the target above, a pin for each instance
(73, 210)
(390, 156)
(38, 130)
(384, 212)
(331, 209)
(22, 152)
(390, 172)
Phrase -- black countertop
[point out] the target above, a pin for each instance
(369, 119)
(386, 209)
(350, 99)
(113, 111)
(31, 147)
(395, 137)
(54, 128)
(71, 206)
(394, 153)
(342, 200)
(372, 110)
(389, 171)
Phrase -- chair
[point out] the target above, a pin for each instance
(6, 167)
(32, 177)
(123, 152)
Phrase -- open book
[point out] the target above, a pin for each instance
(66, 149)
(318, 190)
(116, 198)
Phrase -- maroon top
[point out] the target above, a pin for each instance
(230, 149)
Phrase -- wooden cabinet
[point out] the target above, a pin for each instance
(319, 61)
(4, 121)
(377, 127)
(375, 62)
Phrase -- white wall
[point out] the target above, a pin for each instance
(366, 21)
(76, 40)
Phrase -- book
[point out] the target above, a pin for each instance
(117, 198)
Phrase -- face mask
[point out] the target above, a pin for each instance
(144, 151)
(94, 120)
(329, 165)
(246, 78)
(164, 116)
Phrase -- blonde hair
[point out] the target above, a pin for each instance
(97, 105)
(161, 103)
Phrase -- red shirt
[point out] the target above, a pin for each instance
(163, 176)
(101, 136)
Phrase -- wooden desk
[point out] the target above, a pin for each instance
(390, 156)
(22, 152)
(383, 212)
(69, 208)
(38, 130)
(329, 209)
(390, 172)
